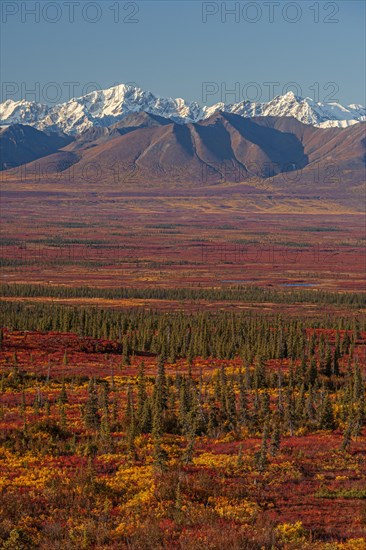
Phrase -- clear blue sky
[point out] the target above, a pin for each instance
(171, 51)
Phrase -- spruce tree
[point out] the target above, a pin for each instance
(240, 462)
(328, 362)
(230, 406)
(312, 373)
(275, 438)
(63, 394)
(243, 413)
(141, 394)
(91, 412)
(326, 419)
(262, 457)
(146, 424)
(160, 455)
(347, 437)
(189, 451)
(358, 384)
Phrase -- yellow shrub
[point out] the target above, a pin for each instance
(353, 544)
(291, 532)
(234, 509)
(127, 527)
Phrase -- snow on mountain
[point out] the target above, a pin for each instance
(105, 107)
(305, 110)
(22, 112)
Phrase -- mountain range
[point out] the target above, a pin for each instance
(144, 150)
(104, 108)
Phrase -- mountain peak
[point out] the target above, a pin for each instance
(290, 95)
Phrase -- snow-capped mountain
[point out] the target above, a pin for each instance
(105, 107)
(305, 110)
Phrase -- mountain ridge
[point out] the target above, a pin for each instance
(145, 150)
(21, 144)
(104, 108)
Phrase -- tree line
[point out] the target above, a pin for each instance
(230, 293)
(219, 334)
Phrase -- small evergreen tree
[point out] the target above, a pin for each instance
(63, 394)
(91, 411)
(275, 438)
(326, 419)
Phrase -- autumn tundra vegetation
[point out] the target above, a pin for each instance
(191, 429)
